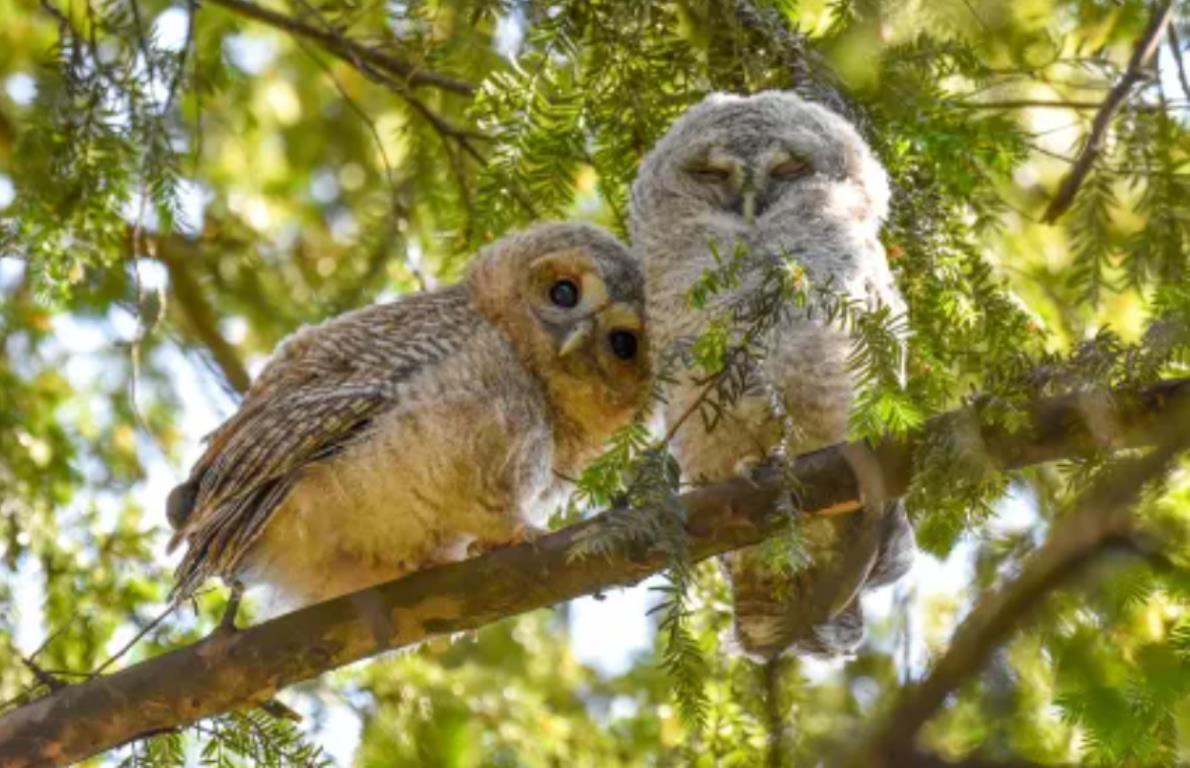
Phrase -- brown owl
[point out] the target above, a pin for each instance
(403, 435)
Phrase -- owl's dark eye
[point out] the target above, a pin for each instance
(623, 344)
(564, 293)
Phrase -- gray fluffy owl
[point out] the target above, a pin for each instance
(407, 434)
(778, 177)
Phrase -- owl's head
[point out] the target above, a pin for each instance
(749, 159)
(571, 298)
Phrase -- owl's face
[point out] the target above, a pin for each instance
(572, 297)
(784, 177)
(751, 159)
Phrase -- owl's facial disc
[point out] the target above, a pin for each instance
(593, 319)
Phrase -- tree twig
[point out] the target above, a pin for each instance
(349, 50)
(384, 71)
(198, 311)
(230, 670)
(1175, 48)
(1040, 104)
(42, 676)
(149, 627)
(1102, 517)
(1142, 53)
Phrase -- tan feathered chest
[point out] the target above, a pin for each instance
(465, 458)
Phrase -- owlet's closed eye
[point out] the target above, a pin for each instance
(707, 173)
(793, 168)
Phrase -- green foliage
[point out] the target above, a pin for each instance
(218, 178)
(248, 738)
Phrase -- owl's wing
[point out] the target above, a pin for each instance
(320, 391)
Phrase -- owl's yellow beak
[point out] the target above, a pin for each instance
(576, 337)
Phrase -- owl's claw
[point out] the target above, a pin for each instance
(521, 533)
(528, 532)
(745, 468)
(751, 466)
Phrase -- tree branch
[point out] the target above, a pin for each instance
(1175, 49)
(1141, 55)
(173, 253)
(229, 670)
(1101, 518)
(382, 68)
(348, 50)
(1043, 104)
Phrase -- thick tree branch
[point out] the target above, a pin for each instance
(1101, 519)
(230, 670)
(348, 50)
(1141, 55)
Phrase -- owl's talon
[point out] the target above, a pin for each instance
(527, 532)
(749, 467)
(521, 533)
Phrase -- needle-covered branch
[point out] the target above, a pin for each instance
(234, 669)
(1102, 518)
(1142, 54)
(348, 50)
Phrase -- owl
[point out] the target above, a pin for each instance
(774, 178)
(408, 434)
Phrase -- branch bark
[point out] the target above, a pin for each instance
(230, 670)
(1142, 53)
(349, 50)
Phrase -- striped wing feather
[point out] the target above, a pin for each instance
(319, 392)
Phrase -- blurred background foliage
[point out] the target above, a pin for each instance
(182, 184)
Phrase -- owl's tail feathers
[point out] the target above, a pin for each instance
(769, 638)
(180, 505)
(844, 632)
(775, 615)
(898, 547)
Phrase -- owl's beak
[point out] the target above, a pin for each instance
(575, 338)
(748, 209)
